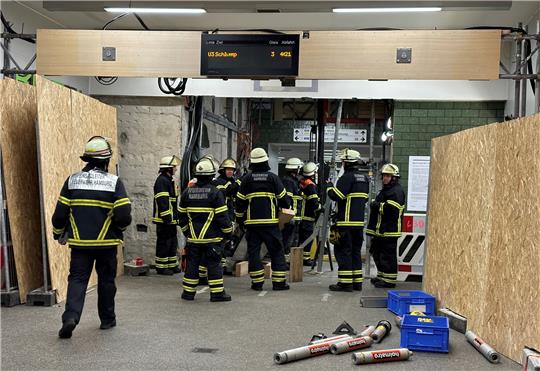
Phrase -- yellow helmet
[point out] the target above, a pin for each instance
(258, 155)
(97, 148)
(205, 166)
(390, 169)
(293, 163)
(349, 155)
(309, 169)
(168, 161)
(228, 163)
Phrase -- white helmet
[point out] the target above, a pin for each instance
(168, 161)
(390, 169)
(97, 148)
(258, 155)
(205, 166)
(309, 169)
(294, 163)
(349, 155)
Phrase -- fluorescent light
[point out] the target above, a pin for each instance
(157, 10)
(386, 10)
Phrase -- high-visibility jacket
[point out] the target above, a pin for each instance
(259, 198)
(93, 208)
(387, 212)
(351, 194)
(229, 187)
(310, 200)
(203, 215)
(165, 209)
(293, 191)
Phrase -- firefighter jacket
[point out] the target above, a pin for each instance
(310, 200)
(229, 187)
(260, 195)
(93, 209)
(387, 211)
(293, 191)
(165, 200)
(351, 194)
(203, 215)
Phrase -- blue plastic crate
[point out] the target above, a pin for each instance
(425, 334)
(403, 302)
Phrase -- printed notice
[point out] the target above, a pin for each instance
(417, 192)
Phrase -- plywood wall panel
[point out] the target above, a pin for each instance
(18, 113)
(483, 252)
(67, 119)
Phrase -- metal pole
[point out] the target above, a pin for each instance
(328, 202)
(524, 82)
(5, 46)
(517, 83)
(372, 179)
(3, 226)
(321, 123)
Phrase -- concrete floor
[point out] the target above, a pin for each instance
(158, 330)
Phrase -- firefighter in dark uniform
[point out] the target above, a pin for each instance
(311, 206)
(165, 216)
(351, 194)
(258, 200)
(91, 214)
(291, 184)
(385, 226)
(205, 222)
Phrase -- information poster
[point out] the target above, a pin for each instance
(417, 193)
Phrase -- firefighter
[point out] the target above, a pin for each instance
(291, 184)
(385, 226)
(311, 207)
(91, 214)
(205, 222)
(258, 200)
(227, 184)
(351, 194)
(166, 217)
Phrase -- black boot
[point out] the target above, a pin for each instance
(188, 295)
(221, 296)
(164, 271)
(341, 287)
(308, 263)
(257, 286)
(107, 325)
(176, 270)
(357, 286)
(384, 285)
(203, 281)
(280, 286)
(67, 329)
(374, 280)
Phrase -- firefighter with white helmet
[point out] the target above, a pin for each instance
(205, 222)
(385, 226)
(92, 212)
(165, 216)
(291, 184)
(311, 207)
(351, 195)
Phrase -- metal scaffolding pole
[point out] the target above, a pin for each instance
(517, 83)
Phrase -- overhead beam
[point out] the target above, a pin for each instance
(325, 55)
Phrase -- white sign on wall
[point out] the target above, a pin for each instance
(417, 192)
(302, 134)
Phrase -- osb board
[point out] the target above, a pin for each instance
(349, 55)
(482, 255)
(18, 112)
(66, 120)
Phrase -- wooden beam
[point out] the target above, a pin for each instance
(335, 55)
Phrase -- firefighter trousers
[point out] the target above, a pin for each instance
(271, 237)
(211, 253)
(166, 246)
(347, 253)
(80, 268)
(384, 250)
(306, 230)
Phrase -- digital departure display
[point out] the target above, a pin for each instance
(249, 55)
